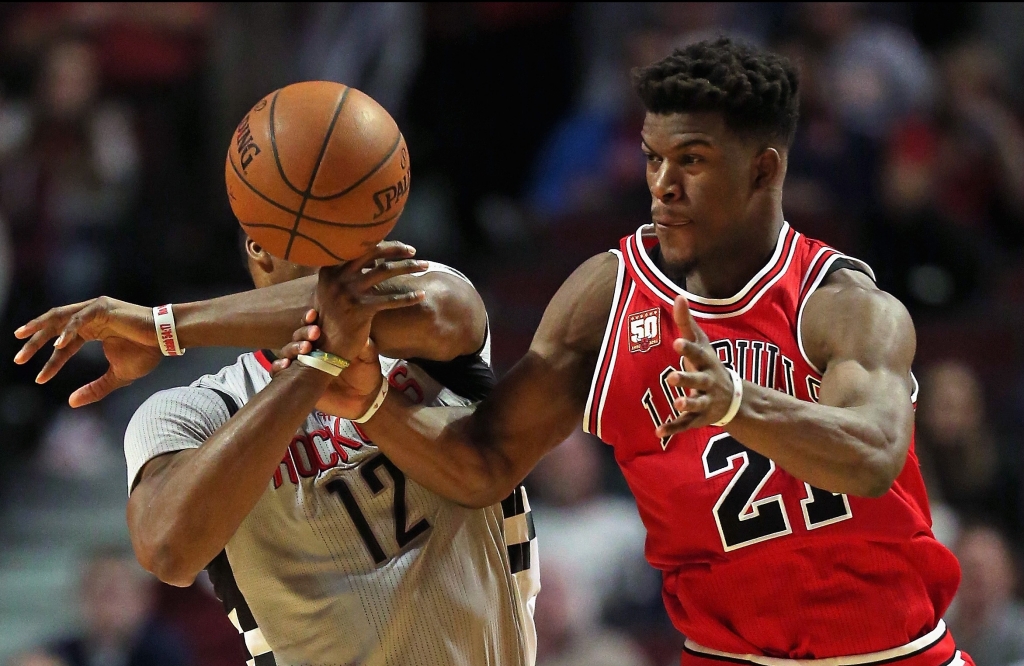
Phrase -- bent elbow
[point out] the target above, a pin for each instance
(880, 473)
(168, 563)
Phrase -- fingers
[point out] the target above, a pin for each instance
(310, 316)
(688, 327)
(395, 301)
(48, 319)
(696, 405)
(387, 250)
(700, 356)
(310, 333)
(699, 381)
(96, 390)
(293, 349)
(74, 325)
(279, 365)
(42, 329)
(57, 360)
(34, 344)
(677, 425)
(389, 269)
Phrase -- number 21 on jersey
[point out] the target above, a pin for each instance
(743, 520)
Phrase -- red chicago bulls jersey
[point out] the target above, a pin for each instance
(754, 560)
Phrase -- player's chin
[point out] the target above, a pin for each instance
(678, 243)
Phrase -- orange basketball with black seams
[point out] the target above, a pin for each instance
(317, 173)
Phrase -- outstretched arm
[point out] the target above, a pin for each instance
(450, 321)
(476, 456)
(855, 439)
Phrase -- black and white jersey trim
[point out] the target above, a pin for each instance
(519, 529)
(257, 652)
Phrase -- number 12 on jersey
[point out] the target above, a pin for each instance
(369, 471)
(744, 521)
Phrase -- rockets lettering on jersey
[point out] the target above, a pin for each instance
(755, 560)
(312, 453)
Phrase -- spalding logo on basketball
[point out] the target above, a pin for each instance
(317, 173)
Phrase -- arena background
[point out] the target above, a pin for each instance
(114, 119)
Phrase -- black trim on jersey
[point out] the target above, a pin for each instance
(468, 376)
(842, 263)
(519, 557)
(227, 591)
(229, 402)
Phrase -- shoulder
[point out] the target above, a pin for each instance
(848, 315)
(188, 408)
(576, 316)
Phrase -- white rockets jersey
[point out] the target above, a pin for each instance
(344, 560)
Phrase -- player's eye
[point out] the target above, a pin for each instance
(651, 157)
(691, 159)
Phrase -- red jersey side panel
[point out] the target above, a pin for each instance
(755, 560)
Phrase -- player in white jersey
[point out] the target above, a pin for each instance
(329, 555)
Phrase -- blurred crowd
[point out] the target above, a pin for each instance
(523, 130)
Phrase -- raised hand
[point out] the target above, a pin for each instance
(126, 331)
(705, 380)
(349, 295)
(355, 388)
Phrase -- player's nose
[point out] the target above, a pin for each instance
(664, 184)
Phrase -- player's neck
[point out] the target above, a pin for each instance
(725, 273)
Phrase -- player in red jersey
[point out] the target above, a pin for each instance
(781, 494)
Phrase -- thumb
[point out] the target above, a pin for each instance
(96, 390)
(684, 320)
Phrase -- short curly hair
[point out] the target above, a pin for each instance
(756, 91)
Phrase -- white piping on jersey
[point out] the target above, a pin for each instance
(615, 355)
(779, 246)
(713, 301)
(923, 643)
(822, 272)
(620, 272)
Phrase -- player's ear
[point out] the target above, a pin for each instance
(258, 256)
(768, 169)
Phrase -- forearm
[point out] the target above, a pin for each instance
(436, 447)
(839, 449)
(260, 318)
(203, 497)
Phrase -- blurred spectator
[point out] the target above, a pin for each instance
(6, 265)
(921, 256)
(373, 46)
(116, 602)
(571, 511)
(980, 145)
(961, 457)
(591, 162)
(987, 622)
(70, 186)
(565, 639)
(35, 658)
(197, 615)
(876, 71)
(829, 176)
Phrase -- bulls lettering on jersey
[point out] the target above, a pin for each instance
(754, 560)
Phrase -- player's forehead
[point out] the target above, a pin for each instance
(667, 132)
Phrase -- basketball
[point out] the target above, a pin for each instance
(317, 173)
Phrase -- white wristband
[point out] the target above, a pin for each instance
(378, 401)
(737, 398)
(166, 333)
(319, 364)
